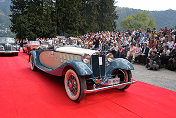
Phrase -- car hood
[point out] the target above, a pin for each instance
(76, 50)
(33, 45)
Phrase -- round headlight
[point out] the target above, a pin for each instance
(110, 57)
(86, 58)
(1, 47)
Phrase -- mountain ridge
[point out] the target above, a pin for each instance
(164, 18)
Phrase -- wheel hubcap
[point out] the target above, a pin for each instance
(72, 84)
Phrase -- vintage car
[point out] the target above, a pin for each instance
(8, 45)
(84, 70)
(31, 45)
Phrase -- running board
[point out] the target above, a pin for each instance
(108, 87)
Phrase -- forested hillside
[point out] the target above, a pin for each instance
(4, 18)
(162, 18)
(4, 12)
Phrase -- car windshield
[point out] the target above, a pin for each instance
(6, 40)
(34, 42)
(45, 43)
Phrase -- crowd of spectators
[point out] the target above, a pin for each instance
(145, 47)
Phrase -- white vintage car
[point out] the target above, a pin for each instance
(84, 70)
(8, 46)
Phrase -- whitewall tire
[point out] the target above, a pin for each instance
(74, 85)
(125, 76)
(33, 67)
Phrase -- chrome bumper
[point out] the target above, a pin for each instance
(9, 52)
(108, 87)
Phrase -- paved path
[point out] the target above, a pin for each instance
(163, 77)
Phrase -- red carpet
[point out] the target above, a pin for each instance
(28, 94)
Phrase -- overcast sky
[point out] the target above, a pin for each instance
(2, 0)
(148, 4)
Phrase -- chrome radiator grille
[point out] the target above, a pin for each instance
(98, 65)
(8, 47)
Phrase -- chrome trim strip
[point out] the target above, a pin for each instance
(9, 51)
(108, 87)
(69, 53)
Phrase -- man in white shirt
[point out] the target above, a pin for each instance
(170, 43)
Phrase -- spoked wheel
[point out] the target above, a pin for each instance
(33, 67)
(74, 85)
(124, 76)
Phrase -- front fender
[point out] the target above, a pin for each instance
(119, 63)
(81, 68)
(35, 55)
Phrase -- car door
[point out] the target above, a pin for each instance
(54, 59)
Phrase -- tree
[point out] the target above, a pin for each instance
(17, 9)
(68, 16)
(138, 21)
(47, 18)
(90, 15)
(107, 15)
(33, 19)
(76, 17)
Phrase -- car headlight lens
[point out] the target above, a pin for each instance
(110, 57)
(86, 58)
(1, 47)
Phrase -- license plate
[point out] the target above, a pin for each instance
(100, 61)
(114, 81)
